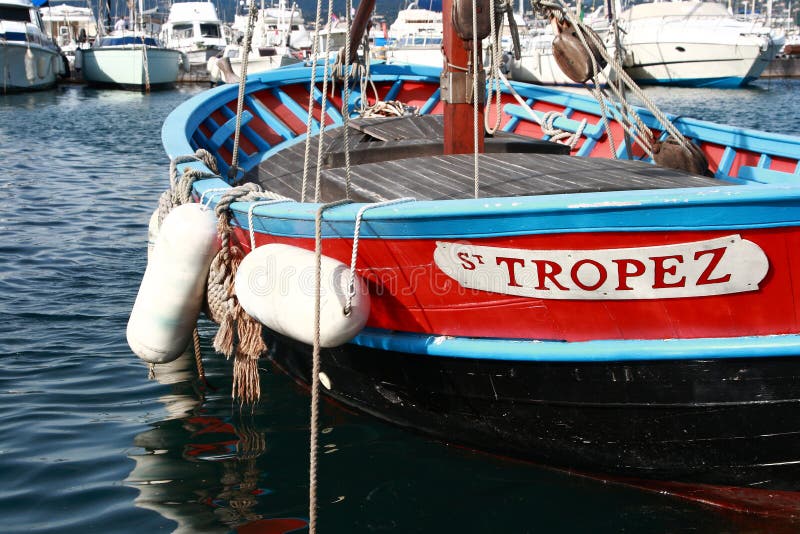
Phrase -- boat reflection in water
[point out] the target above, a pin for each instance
(200, 469)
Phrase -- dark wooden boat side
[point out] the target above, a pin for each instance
(721, 422)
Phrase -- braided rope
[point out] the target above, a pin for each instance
(346, 103)
(311, 100)
(224, 307)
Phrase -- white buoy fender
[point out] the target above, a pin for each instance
(275, 285)
(78, 59)
(171, 294)
(185, 65)
(30, 66)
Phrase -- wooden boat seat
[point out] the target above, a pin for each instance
(403, 157)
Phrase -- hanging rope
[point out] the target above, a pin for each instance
(233, 171)
(224, 308)
(315, 366)
(252, 207)
(493, 83)
(180, 189)
(475, 58)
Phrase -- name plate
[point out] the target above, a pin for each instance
(697, 269)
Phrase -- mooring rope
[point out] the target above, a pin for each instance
(146, 66)
(315, 366)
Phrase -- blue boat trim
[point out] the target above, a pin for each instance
(766, 200)
(582, 351)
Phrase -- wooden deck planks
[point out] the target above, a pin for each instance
(443, 177)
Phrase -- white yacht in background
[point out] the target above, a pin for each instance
(71, 24)
(195, 29)
(279, 35)
(415, 37)
(420, 48)
(278, 25)
(29, 59)
(696, 44)
(415, 20)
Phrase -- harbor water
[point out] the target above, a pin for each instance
(89, 444)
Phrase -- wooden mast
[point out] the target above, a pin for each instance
(459, 121)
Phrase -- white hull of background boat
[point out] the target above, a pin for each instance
(26, 67)
(697, 64)
(698, 44)
(428, 55)
(124, 67)
(257, 63)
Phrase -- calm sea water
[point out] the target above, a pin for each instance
(88, 443)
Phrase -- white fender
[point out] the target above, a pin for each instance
(171, 294)
(185, 65)
(78, 59)
(42, 66)
(275, 285)
(30, 66)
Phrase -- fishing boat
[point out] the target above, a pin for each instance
(573, 304)
(29, 59)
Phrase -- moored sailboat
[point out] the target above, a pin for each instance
(131, 59)
(572, 304)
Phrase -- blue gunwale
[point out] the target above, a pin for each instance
(531, 350)
(765, 199)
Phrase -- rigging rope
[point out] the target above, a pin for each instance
(233, 171)
(635, 127)
(475, 58)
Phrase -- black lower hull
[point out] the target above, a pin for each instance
(723, 422)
